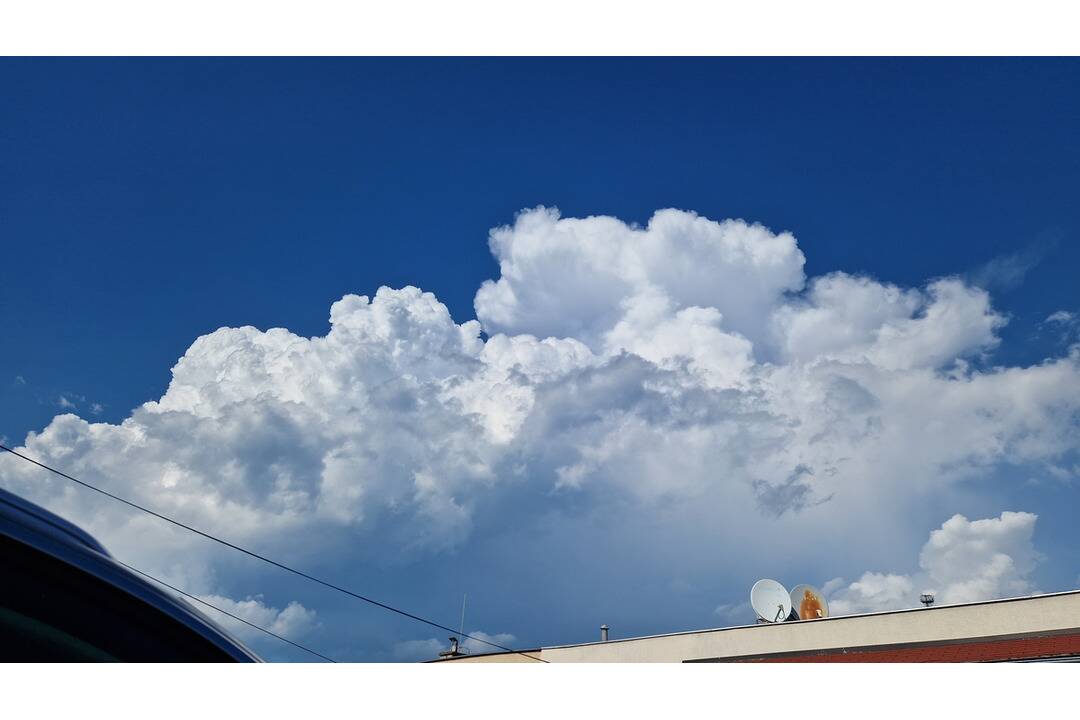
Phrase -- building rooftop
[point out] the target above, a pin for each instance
(1033, 627)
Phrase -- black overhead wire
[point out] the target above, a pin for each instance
(223, 611)
(265, 559)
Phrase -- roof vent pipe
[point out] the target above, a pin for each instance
(603, 633)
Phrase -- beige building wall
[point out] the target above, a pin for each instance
(1043, 614)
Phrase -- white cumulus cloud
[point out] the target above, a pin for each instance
(570, 277)
(428, 649)
(293, 622)
(963, 561)
(644, 397)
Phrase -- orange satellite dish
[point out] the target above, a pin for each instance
(808, 603)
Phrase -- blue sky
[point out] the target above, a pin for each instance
(146, 203)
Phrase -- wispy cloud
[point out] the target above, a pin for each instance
(1064, 324)
(735, 613)
(73, 401)
(1008, 271)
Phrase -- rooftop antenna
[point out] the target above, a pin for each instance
(927, 599)
(770, 601)
(461, 628)
(456, 649)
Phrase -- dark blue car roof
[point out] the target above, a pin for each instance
(47, 532)
(23, 511)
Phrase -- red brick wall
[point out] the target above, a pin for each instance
(967, 651)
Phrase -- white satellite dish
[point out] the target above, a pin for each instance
(770, 601)
(808, 603)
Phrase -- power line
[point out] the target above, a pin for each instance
(263, 558)
(220, 610)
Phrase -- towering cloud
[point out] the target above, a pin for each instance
(647, 391)
(583, 277)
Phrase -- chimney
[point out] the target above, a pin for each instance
(454, 651)
(603, 633)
